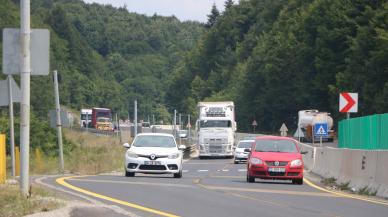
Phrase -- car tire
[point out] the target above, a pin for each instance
(235, 162)
(250, 179)
(178, 175)
(129, 174)
(297, 181)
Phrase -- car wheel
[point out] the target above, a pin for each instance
(129, 174)
(178, 175)
(235, 162)
(250, 179)
(297, 181)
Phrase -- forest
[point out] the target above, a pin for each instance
(272, 58)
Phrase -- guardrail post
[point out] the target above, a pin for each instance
(3, 160)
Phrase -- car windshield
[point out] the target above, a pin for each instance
(245, 144)
(154, 141)
(215, 123)
(275, 146)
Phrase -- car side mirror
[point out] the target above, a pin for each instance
(304, 152)
(126, 145)
(247, 150)
(182, 147)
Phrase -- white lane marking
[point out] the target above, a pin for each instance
(242, 170)
(185, 171)
(225, 170)
(202, 170)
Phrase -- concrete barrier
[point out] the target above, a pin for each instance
(359, 168)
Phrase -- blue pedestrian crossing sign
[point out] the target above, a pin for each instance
(320, 129)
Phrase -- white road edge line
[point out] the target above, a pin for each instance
(202, 170)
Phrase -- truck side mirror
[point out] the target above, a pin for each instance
(126, 145)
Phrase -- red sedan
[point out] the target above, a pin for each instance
(274, 157)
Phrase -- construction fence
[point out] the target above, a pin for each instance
(367, 133)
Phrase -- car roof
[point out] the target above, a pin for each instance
(155, 134)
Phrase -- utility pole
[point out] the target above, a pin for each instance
(11, 125)
(25, 76)
(180, 128)
(59, 124)
(153, 119)
(189, 131)
(135, 120)
(174, 123)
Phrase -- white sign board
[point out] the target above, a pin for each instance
(4, 95)
(40, 56)
(348, 102)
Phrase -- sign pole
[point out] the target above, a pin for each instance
(59, 124)
(348, 115)
(11, 125)
(25, 76)
(320, 141)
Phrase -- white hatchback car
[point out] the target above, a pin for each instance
(239, 153)
(154, 153)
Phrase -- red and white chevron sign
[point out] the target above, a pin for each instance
(348, 102)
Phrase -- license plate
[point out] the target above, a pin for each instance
(152, 163)
(277, 169)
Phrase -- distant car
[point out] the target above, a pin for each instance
(146, 124)
(240, 154)
(154, 153)
(183, 133)
(274, 157)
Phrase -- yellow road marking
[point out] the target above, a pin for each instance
(62, 181)
(258, 200)
(133, 183)
(341, 194)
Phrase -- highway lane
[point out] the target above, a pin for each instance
(217, 187)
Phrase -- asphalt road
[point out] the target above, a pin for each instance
(212, 188)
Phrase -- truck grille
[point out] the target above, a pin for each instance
(216, 149)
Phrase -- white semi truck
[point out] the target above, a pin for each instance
(216, 129)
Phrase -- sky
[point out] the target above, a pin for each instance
(184, 10)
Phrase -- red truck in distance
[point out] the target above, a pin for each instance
(102, 119)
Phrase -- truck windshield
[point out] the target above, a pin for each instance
(103, 120)
(215, 123)
(275, 146)
(83, 117)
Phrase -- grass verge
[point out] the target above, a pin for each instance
(13, 204)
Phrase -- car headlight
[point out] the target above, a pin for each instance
(296, 163)
(173, 156)
(256, 161)
(131, 154)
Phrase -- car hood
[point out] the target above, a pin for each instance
(276, 156)
(153, 150)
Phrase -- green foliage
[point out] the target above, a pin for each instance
(106, 57)
(274, 58)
